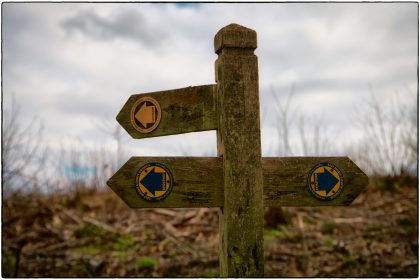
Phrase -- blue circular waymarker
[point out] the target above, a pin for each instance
(154, 181)
(325, 181)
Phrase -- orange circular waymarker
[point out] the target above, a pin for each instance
(145, 114)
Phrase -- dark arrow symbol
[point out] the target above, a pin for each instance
(153, 181)
(326, 181)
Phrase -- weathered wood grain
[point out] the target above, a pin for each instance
(183, 110)
(198, 182)
(239, 144)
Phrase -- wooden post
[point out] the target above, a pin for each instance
(239, 143)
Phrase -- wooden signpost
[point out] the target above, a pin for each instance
(239, 181)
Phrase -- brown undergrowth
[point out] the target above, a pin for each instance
(93, 234)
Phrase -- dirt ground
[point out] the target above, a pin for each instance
(94, 234)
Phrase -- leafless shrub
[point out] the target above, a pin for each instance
(309, 131)
(111, 128)
(24, 155)
(79, 167)
(285, 120)
(389, 142)
(314, 136)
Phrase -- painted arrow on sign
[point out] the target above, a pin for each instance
(153, 181)
(183, 110)
(198, 181)
(326, 181)
(146, 114)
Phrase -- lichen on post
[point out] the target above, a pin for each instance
(239, 143)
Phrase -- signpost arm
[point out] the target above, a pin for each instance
(239, 143)
(183, 110)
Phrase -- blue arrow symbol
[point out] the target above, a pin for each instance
(326, 181)
(154, 181)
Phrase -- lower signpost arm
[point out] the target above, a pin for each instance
(198, 181)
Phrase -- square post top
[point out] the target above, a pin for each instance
(235, 36)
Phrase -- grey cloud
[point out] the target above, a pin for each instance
(126, 24)
(387, 32)
(86, 103)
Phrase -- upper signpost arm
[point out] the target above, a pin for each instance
(182, 110)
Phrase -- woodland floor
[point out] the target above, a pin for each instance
(93, 234)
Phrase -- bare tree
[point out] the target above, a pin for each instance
(114, 129)
(389, 143)
(24, 156)
(80, 167)
(410, 132)
(309, 129)
(285, 119)
(314, 136)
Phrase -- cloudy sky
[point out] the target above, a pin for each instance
(74, 65)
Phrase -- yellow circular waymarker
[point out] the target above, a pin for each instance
(154, 181)
(325, 181)
(145, 114)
